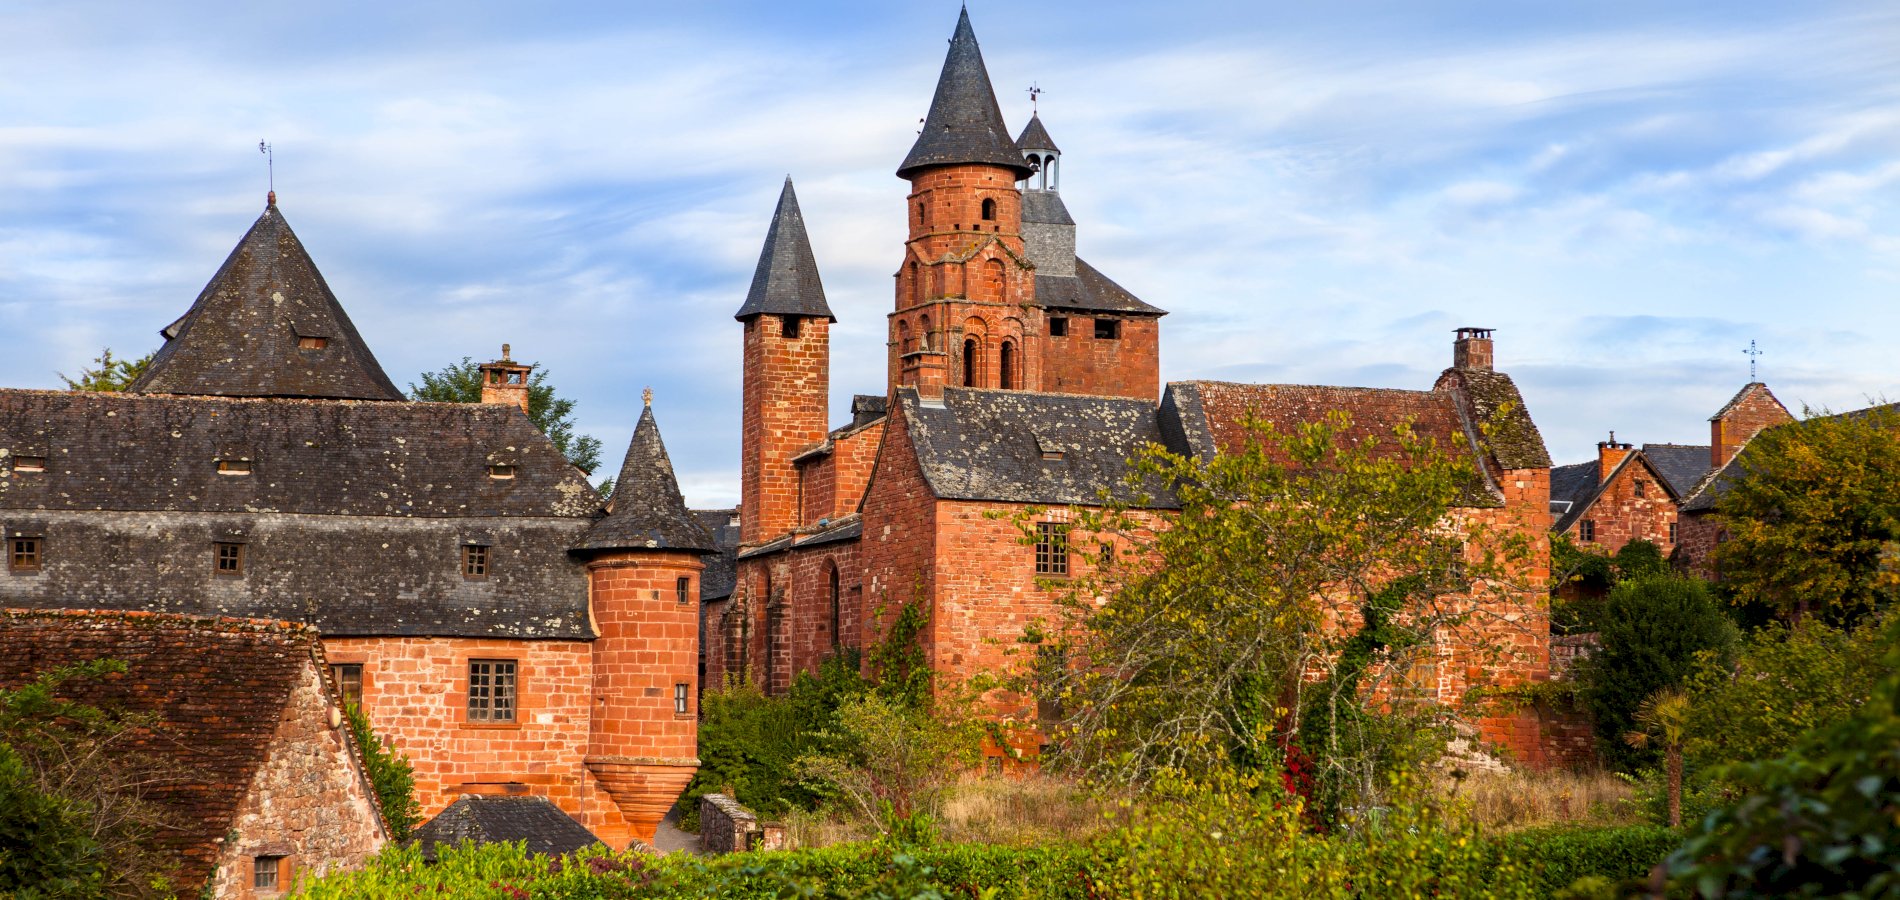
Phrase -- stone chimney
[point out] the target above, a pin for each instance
(1610, 454)
(1472, 349)
(505, 382)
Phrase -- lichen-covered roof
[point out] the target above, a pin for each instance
(848, 527)
(647, 511)
(108, 451)
(1089, 291)
(241, 336)
(721, 574)
(964, 124)
(535, 821)
(1681, 465)
(1024, 447)
(1036, 137)
(786, 281)
(1491, 401)
(217, 686)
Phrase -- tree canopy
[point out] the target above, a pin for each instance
(554, 415)
(109, 373)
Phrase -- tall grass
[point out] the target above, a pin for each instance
(1502, 801)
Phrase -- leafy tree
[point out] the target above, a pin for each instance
(1592, 573)
(1814, 519)
(1650, 636)
(891, 764)
(1302, 552)
(108, 373)
(1784, 683)
(389, 773)
(554, 415)
(1664, 719)
(46, 848)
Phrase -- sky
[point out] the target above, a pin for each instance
(1629, 192)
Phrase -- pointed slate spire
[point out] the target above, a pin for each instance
(266, 326)
(1036, 137)
(647, 511)
(786, 282)
(964, 124)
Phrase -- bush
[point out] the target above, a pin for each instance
(1559, 857)
(389, 772)
(1784, 683)
(890, 764)
(46, 845)
(1652, 632)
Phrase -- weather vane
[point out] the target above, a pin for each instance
(270, 165)
(1752, 353)
(1034, 93)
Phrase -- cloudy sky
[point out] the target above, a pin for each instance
(1629, 192)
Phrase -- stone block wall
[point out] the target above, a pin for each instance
(1081, 363)
(1633, 505)
(786, 384)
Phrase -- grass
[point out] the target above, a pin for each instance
(1018, 810)
(1524, 799)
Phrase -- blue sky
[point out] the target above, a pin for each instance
(1629, 192)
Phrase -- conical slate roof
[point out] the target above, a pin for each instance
(647, 511)
(1036, 137)
(241, 337)
(964, 124)
(786, 282)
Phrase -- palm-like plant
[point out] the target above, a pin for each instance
(1664, 717)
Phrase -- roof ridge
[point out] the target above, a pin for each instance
(647, 511)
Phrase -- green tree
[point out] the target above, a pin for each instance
(1652, 634)
(46, 846)
(554, 415)
(389, 773)
(1814, 519)
(1664, 719)
(108, 373)
(891, 764)
(1784, 683)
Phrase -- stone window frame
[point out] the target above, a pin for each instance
(1641, 487)
(683, 699)
(1108, 329)
(29, 463)
(1058, 326)
(788, 326)
(1052, 549)
(1672, 532)
(235, 466)
(26, 554)
(227, 559)
(271, 872)
(683, 589)
(341, 674)
(498, 703)
(478, 563)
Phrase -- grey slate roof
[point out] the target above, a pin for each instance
(1089, 291)
(991, 445)
(1681, 465)
(1720, 481)
(867, 408)
(964, 124)
(721, 575)
(647, 511)
(491, 820)
(1045, 208)
(1573, 483)
(1036, 137)
(786, 281)
(240, 337)
(848, 527)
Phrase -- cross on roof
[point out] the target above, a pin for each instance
(1752, 352)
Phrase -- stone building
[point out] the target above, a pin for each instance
(1019, 376)
(269, 782)
(510, 632)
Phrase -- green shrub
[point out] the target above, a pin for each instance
(1784, 683)
(46, 844)
(389, 773)
(1560, 857)
(1652, 633)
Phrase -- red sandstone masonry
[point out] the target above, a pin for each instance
(1619, 515)
(1752, 410)
(786, 384)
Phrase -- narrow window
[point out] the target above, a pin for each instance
(24, 555)
(1641, 488)
(681, 705)
(1006, 365)
(837, 624)
(349, 682)
(474, 561)
(1052, 548)
(969, 363)
(1058, 326)
(491, 690)
(1672, 532)
(312, 343)
(684, 588)
(1587, 530)
(1108, 329)
(234, 467)
(788, 327)
(266, 873)
(501, 471)
(916, 286)
(229, 559)
(29, 464)
(989, 210)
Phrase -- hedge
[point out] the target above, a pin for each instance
(1558, 856)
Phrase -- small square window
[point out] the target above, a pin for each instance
(491, 690)
(29, 464)
(234, 467)
(1587, 530)
(312, 343)
(474, 561)
(267, 873)
(501, 470)
(349, 682)
(683, 587)
(1108, 329)
(23, 554)
(229, 558)
(1058, 326)
(1052, 548)
(788, 327)
(682, 703)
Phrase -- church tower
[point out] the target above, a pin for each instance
(787, 375)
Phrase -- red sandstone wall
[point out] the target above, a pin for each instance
(1081, 363)
(1620, 516)
(786, 384)
(1730, 429)
(1697, 536)
(308, 801)
(898, 552)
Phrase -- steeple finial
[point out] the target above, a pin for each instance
(1753, 353)
(270, 174)
(646, 396)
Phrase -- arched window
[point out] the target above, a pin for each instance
(1005, 365)
(1050, 173)
(916, 284)
(903, 337)
(970, 362)
(989, 209)
(993, 280)
(928, 340)
(923, 218)
(837, 619)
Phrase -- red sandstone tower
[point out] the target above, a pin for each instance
(787, 373)
(643, 569)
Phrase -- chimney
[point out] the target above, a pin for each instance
(1609, 455)
(505, 382)
(1472, 349)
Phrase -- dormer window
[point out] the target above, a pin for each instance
(228, 559)
(234, 467)
(29, 464)
(312, 343)
(500, 471)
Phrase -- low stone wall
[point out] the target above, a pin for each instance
(727, 827)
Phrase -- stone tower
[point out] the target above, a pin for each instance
(787, 373)
(643, 570)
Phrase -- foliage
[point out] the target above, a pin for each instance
(1197, 658)
(389, 773)
(108, 373)
(1560, 857)
(554, 415)
(891, 763)
(88, 768)
(1650, 635)
(1664, 719)
(1814, 519)
(1594, 573)
(46, 848)
(897, 661)
(1822, 820)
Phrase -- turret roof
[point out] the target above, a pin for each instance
(1036, 137)
(786, 281)
(964, 124)
(647, 511)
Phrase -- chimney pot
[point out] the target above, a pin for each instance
(505, 383)
(1472, 349)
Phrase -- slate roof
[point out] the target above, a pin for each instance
(1574, 483)
(991, 445)
(786, 281)
(721, 575)
(1089, 291)
(1045, 208)
(964, 124)
(536, 821)
(647, 511)
(218, 686)
(1681, 465)
(867, 408)
(240, 337)
(1036, 137)
(109, 451)
(848, 527)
